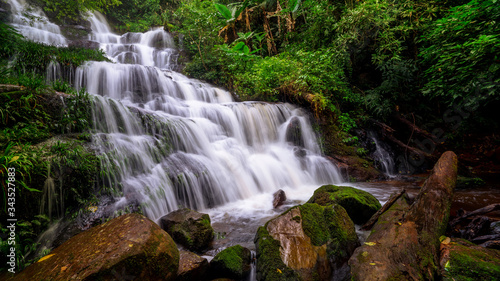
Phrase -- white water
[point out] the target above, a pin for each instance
(382, 157)
(33, 24)
(172, 141)
(168, 141)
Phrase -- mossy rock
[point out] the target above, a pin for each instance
(130, 245)
(467, 262)
(307, 242)
(464, 182)
(233, 262)
(270, 267)
(359, 204)
(189, 228)
(191, 267)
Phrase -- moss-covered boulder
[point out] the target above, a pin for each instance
(189, 228)
(307, 242)
(128, 246)
(463, 260)
(233, 262)
(191, 267)
(359, 204)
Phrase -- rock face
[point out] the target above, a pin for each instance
(307, 242)
(294, 132)
(191, 267)
(130, 246)
(233, 262)
(404, 243)
(278, 198)
(359, 204)
(188, 228)
(462, 260)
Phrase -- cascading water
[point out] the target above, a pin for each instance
(382, 157)
(171, 141)
(167, 141)
(33, 24)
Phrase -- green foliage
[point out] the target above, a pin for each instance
(232, 11)
(138, 16)
(35, 57)
(25, 241)
(461, 55)
(71, 11)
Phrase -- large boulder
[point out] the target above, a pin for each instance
(130, 246)
(189, 228)
(233, 262)
(307, 242)
(463, 260)
(191, 267)
(359, 204)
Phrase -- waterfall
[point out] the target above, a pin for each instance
(170, 141)
(167, 141)
(33, 24)
(382, 157)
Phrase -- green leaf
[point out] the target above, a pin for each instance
(239, 47)
(224, 11)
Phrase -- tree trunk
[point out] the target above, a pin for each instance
(404, 243)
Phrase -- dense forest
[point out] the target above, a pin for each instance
(424, 76)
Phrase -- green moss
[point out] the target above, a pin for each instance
(232, 262)
(270, 267)
(314, 224)
(359, 204)
(468, 262)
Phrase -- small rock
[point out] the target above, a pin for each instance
(191, 267)
(189, 228)
(87, 44)
(278, 198)
(233, 262)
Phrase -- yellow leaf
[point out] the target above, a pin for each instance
(446, 241)
(45, 258)
(370, 243)
(64, 268)
(131, 245)
(14, 159)
(278, 270)
(372, 263)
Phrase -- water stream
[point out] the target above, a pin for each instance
(171, 141)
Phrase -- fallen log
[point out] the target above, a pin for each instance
(395, 196)
(404, 242)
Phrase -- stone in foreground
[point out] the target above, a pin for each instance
(359, 204)
(191, 267)
(307, 242)
(130, 246)
(189, 228)
(233, 262)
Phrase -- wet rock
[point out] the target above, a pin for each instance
(191, 267)
(308, 242)
(130, 245)
(294, 132)
(464, 182)
(359, 204)
(233, 262)
(278, 198)
(462, 260)
(87, 44)
(189, 228)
